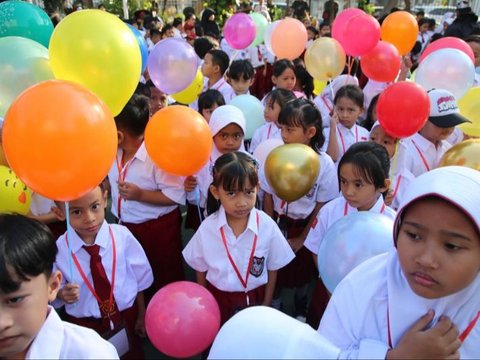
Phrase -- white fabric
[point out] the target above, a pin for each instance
(405, 177)
(206, 251)
(133, 272)
(371, 89)
(146, 175)
(253, 55)
(40, 205)
(350, 137)
(456, 137)
(264, 132)
(58, 339)
(221, 85)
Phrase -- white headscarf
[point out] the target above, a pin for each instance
(222, 116)
(336, 84)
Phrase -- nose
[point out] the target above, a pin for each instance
(89, 217)
(6, 321)
(426, 257)
(349, 190)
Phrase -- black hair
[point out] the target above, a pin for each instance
(370, 160)
(368, 122)
(281, 65)
(304, 113)
(143, 89)
(154, 32)
(177, 21)
(313, 30)
(220, 58)
(352, 92)
(166, 28)
(304, 79)
(209, 98)
(134, 116)
(280, 97)
(473, 38)
(187, 11)
(423, 21)
(232, 171)
(420, 12)
(27, 249)
(241, 69)
(202, 45)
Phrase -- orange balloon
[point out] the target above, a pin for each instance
(178, 140)
(400, 28)
(60, 139)
(289, 39)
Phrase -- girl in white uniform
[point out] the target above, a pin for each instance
(422, 299)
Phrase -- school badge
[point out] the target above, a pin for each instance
(257, 266)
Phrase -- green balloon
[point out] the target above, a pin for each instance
(261, 24)
(23, 63)
(19, 18)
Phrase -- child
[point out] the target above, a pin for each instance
(208, 101)
(344, 130)
(300, 122)
(312, 34)
(158, 99)
(274, 103)
(422, 151)
(238, 250)
(240, 75)
(144, 198)
(29, 327)
(41, 210)
(91, 298)
(363, 176)
(422, 299)
(214, 66)
(283, 74)
(257, 56)
(304, 84)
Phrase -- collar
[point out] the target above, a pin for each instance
(141, 153)
(42, 346)
(345, 129)
(251, 224)
(423, 143)
(377, 207)
(102, 239)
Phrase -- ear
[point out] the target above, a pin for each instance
(105, 198)
(386, 186)
(274, 80)
(54, 283)
(216, 68)
(120, 136)
(311, 132)
(58, 212)
(214, 191)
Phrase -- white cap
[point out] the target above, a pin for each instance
(444, 111)
(225, 115)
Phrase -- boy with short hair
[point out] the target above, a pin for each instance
(215, 64)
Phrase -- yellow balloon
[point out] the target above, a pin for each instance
(291, 170)
(97, 50)
(325, 59)
(14, 194)
(318, 86)
(3, 159)
(190, 94)
(466, 153)
(469, 106)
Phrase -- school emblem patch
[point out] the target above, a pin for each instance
(257, 266)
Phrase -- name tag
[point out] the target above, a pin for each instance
(120, 340)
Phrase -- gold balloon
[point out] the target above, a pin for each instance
(466, 153)
(291, 170)
(325, 59)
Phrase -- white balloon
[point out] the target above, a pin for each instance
(268, 35)
(264, 148)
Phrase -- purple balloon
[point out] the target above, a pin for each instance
(172, 65)
(239, 31)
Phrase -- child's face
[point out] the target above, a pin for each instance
(286, 80)
(207, 113)
(297, 134)
(208, 68)
(324, 30)
(311, 35)
(423, 28)
(434, 133)
(359, 193)
(348, 111)
(379, 136)
(440, 252)
(271, 112)
(158, 100)
(228, 139)
(238, 203)
(476, 52)
(23, 312)
(241, 85)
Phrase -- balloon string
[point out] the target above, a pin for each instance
(197, 200)
(392, 170)
(70, 236)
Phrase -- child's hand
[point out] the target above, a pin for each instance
(296, 243)
(334, 120)
(70, 293)
(140, 326)
(129, 191)
(190, 183)
(439, 342)
(389, 198)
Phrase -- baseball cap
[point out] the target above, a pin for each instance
(463, 4)
(444, 110)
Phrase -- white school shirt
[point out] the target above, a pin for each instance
(142, 172)
(400, 183)
(40, 205)
(266, 131)
(59, 339)
(347, 137)
(332, 212)
(221, 85)
(132, 275)
(456, 136)
(324, 190)
(418, 155)
(206, 251)
(256, 55)
(325, 105)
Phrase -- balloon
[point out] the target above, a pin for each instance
(178, 140)
(60, 139)
(318, 86)
(340, 22)
(265, 148)
(448, 43)
(20, 18)
(142, 43)
(182, 319)
(361, 34)
(400, 28)
(289, 39)
(403, 109)
(98, 51)
(252, 109)
(14, 195)
(3, 159)
(261, 332)
(190, 94)
(172, 65)
(382, 63)
(469, 106)
(23, 63)
(448, 69)
(268, 35)
(261, 24)
(239, 31)
(325, 59)
(349, 242)
(291, 170)
(466, 153)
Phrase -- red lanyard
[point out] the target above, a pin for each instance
(84, 277)
(326, 104)
(421, 156)
(122, 174)
(343, 142)
(396, 187)
(239, 276)
(269, 130)
(345, 210)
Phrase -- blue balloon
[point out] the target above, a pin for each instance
(142, 43)
(252, 109)
(350, 241)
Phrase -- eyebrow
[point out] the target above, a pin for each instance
(445, 232)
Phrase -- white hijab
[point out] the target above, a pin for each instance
(222, 116)
(332, 88)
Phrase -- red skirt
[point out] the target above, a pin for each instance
(259, 83)
(318, 304)
(192, 219)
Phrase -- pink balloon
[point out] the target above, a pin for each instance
(360, 35)
(448, 43)
(239, 31)
(340, 22)
(182, 319)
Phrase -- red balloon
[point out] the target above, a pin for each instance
(182, 319)
(340, 22)
(448, 43)
(403, 109)
(360, 35)
(382, 63)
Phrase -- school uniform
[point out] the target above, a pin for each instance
(257, 56)
(400, 183)
(456, 137)
(214, 243)
(58, 339)
(347, 137)
(265, 132)
(40, 205)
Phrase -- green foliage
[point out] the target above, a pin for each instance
(223, 9)
(116, 7)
